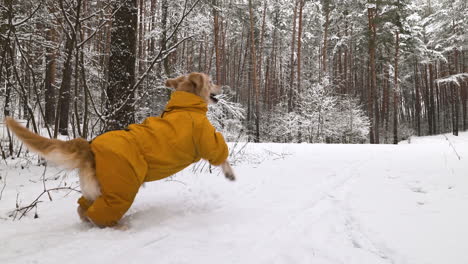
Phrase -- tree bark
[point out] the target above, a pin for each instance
(141, 36)
(291, 77)
(163, 40)
(299, 46)
(455, 95)
(216, 42)
(63, 106)
(395, 90)
(418, 100)
(253, 59)
(432, 124)
(49, 82)
(386, 101)
(262, 43)
(373, 133)
(120, 107)
(465, 93)
(326, 9)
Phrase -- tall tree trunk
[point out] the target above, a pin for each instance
(455, 95)
(8, 86)
(63, 106)
(141, 36)
(326, 10)
(346, 57)
(418, 99)
(271, 93)
(253, 59)
(152, 26)
(262, 43)
(224, 66)
(163, 40)
(299, 46)
(6, 63)
(49, 82)
(432, 123)
(373, 133)
(120, 106)
(291, 79)
(86, 98)
(395, 90)
(465, 93)
(386, 101)
(427, 101)
(216, 42)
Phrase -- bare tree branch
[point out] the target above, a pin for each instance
(96, 13)
(29, 17)
(79, 45)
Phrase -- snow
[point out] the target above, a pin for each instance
(456, 79)
(292, 203)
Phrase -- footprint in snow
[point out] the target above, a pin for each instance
(417, 189)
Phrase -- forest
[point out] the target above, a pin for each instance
(316, 71)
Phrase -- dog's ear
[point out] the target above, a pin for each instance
(201, 85)
(173, 83)
(197, 79)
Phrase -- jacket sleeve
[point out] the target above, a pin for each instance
(212, 146)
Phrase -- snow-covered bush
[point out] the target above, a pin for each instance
(227, 116)
(320, 117)
(280, 126)
(348, 123)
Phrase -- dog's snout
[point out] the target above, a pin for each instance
(213, 98)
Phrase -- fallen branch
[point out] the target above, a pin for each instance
(26, 209)
(20, 212)
(453, 147)
(4, 180)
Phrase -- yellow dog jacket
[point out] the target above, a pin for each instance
(153, 150)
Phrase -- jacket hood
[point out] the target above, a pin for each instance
(186, 101)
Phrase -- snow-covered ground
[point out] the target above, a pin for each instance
(321, 204)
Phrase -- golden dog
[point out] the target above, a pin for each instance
(115, 164)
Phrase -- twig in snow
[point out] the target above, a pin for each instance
(171, 179)
(22, 211)
(43, 182)
(25, 209)
(453, 147)
(281, 155)
(4, 179)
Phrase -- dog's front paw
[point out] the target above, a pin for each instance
(230, 176)
(228, 171)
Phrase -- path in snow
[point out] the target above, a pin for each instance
(321, 204)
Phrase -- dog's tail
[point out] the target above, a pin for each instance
(67, 154)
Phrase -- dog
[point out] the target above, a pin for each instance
(114, 165)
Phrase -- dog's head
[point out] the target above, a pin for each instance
(196, 83)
